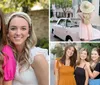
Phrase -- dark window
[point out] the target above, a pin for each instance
(68, 23)
(62, 22)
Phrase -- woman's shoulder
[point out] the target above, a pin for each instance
(98, 63)
(8, 53)
(7, 50)
(9, 65)
(87, 62)
(35, 51)
(6, 47)
(58, 59)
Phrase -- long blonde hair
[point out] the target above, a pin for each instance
(98, 51)
(86, 18)
(29, 43)
(79, 59)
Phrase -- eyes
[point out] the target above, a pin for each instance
(71, 49)
(13, 28)
(84, 53)
(95, 53)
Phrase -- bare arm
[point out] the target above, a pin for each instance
(41, 69)
(87, 77)
(56, 73)
(81, 17)
(7, 82)
(92, 74)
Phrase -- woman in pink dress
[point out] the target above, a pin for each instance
(85, 32)
(7, 61)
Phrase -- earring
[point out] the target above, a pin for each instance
(7, 35)
(28, 35)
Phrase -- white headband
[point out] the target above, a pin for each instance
(22, 14)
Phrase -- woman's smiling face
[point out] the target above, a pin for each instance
(83, 55)
(94, 55)
(70, 51)
(18, 30)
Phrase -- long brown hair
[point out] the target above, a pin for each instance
(3, 41)
(81, 50)
(72, 58)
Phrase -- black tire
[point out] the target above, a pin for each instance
(52, 31)
(68, 38)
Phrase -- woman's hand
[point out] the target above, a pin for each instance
(91, 74)
(87, 65)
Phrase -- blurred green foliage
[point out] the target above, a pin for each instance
(16, 5)
(43, 43)
(89, 46)
(58, 51)
(64, 4)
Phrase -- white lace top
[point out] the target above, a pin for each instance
(27, 76)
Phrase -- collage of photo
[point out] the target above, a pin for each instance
(74, 42)
(49, 42)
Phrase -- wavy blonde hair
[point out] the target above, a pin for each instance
(79, 59)
(98, 51)
(29, 43)
(86, 18)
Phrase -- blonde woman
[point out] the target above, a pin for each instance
(32, 67)
(81, 74)
(95, 58)
(94, 72)
(85, 33)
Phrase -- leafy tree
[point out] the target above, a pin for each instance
(45, 3)
(25, 4)
(64, 4)
(89, 46)
(15, 5)
(58, 51)
(4, 5)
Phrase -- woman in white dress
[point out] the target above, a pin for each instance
(32, 67)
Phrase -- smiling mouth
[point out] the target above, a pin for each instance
(16, 38)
